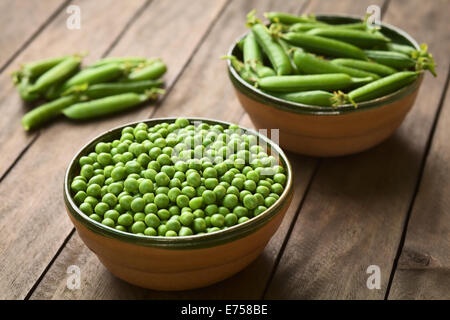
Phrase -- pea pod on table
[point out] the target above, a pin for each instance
(121, 60)
(153, 70)
(101, 90)
(105, 106)
(36, 68)
(42, 114)
(57, 74)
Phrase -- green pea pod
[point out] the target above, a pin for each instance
(36, 68)
(310, 64)
(101, 90)
(325, 46)
(314, 98)
(23, 88)
(391, 59)
(251, 51)
(401, 48)
(368, 66)
(358, 38)
(303, 27)
(150, 72)
(105, 106)
(278, 58)
(42, 114)
(103, 73)
(290, 18)
(253, 59)
(56, 74)
(327, 82)
(383, 86)
(120, 60)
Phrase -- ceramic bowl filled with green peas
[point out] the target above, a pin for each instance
(332, 84)
(176, 204)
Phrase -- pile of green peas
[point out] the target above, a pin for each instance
(178, 179)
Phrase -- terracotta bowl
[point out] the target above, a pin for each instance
(179, 263)
(326, 132)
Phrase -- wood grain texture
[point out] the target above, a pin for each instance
(25, 251)
(249, 283)
(423, 270)
(15, 33)
(357, 205)
(97, 33)
(40, 196)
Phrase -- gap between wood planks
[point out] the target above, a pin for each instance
(417, 186)
(33, 36)
(168, 90)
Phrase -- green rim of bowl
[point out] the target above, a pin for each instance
(186, 242)
(294, 107)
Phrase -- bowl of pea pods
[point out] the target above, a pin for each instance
(333, 85)
(177, 203)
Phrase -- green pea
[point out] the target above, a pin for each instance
(108, 222)
(137, 205)
(196, 203)
(78, 185)
(193, 179)
(125, 219)
(217, 220)
(230, 201)
(79, 197)
(152, 220)
(185, 231)
(86, 208)
(187, 218)
(259, 210)
(138, 227)
(150, 232)
(173, 225)
(162, 179)
(162, 229)
(242, 220)
(230, 219)
(110, 199)
(151, 208)
(199, 225)
(112, 214)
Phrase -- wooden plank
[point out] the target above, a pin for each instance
(259, 270)
(355, 211)
(16, 33)
(58, 40)
(19, 245)
(423, 270)
(38, 197)
(248, 284)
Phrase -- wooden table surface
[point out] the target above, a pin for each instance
(389, 206)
